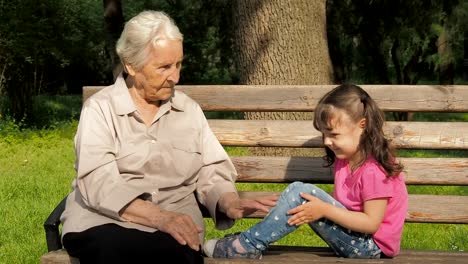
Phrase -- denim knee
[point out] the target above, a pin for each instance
(292, 192)
(297, 187)
(294, 189)
(300, 187)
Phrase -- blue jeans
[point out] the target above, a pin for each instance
(344, 242)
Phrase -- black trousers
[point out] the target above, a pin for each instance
(112, 243)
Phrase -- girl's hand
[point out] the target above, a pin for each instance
(307, 212)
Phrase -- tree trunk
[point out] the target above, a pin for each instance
(465, 57)
(114, 22)
(281, 43)
(446, 66)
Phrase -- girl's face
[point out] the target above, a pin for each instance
(343, 136)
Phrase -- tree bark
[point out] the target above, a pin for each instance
(465, 57)
(114, 22)
(446, 66)
(396, 60)
(281, 43)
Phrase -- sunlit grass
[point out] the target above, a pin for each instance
(35, 174)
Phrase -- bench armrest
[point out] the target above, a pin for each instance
(51, 227)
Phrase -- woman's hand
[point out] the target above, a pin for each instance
(236, 208)
(307, 212)
(181, 227)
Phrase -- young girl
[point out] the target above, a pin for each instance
(364, 217)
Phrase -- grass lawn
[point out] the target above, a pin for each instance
(36, 171)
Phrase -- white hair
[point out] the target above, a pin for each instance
(141, 33)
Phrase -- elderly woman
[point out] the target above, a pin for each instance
(144, 156)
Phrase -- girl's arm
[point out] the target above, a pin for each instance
(365, 222)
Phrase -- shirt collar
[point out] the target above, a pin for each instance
(177, 102)
(123, 103)
(121, 100)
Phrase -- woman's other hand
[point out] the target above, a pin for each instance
(236, 208)
(181, 227)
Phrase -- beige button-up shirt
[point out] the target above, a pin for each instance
(119, 158)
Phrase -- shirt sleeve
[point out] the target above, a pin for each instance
(98, 178)
(375, 184)
(216, 177)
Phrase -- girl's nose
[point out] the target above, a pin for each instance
(326, 141)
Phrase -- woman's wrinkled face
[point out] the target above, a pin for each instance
(343, 136)
(157, 79)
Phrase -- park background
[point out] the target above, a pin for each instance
(50, 49)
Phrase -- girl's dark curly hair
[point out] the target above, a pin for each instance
(358, 104)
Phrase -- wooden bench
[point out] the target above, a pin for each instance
(423, 208)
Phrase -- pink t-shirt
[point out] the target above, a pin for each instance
(369, 182)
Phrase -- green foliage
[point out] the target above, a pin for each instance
(47, 112)
(433, 116)
(51, 111)
(395, 41)
(51, 41)
(49, 47)
(207, 39)
(224, 115)
(458, 31)
(58, 46)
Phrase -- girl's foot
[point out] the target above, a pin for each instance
(228, 247)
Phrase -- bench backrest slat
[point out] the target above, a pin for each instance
(422, 208)
(288, 133)
(419, 171)
(412, 98)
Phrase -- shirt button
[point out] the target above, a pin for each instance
(153, 141)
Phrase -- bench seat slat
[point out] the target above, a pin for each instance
(427, 171)
(289, 133)
(299, 254)
(422, 208)
(291, 254)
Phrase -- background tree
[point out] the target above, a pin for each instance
(455, 18)
(47, 47)
(395, 41)
(58, 46)
(114, 22)
(54, 47)
(281, 43)
(207, 40)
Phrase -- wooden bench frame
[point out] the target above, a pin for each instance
(301, 134)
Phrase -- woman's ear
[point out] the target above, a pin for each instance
(129, 69)
(362, 123)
